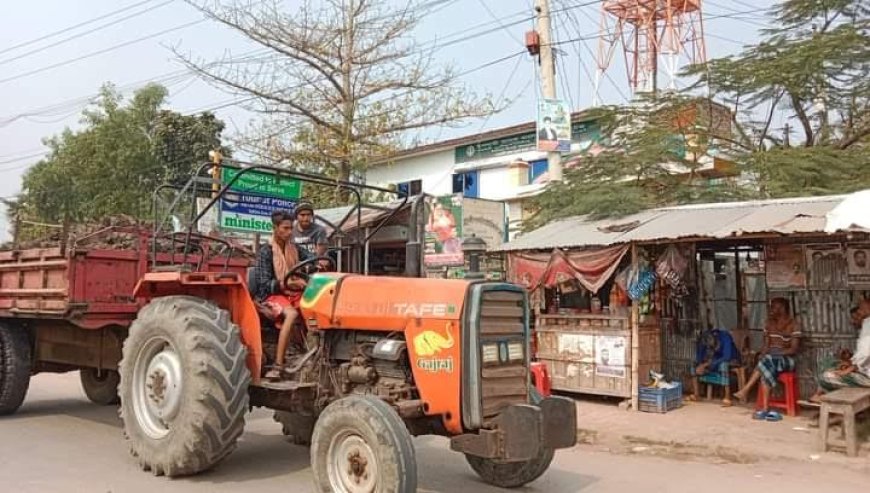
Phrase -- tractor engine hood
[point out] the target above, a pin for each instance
(379, 303)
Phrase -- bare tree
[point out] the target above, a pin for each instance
(339, 83)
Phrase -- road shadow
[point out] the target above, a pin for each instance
(441, 470)
(259, 456)
(69, 407)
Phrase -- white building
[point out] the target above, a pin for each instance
(501, 165)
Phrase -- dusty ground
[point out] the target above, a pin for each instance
(59, 442)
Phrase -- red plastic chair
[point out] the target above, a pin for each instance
(789, 402)
(541, 378)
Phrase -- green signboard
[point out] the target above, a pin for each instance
(581, 132)
(263, 183)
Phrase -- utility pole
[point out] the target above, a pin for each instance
(548, 76)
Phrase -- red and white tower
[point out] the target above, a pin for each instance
(655, 35)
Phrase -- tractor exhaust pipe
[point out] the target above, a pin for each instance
(414, 246)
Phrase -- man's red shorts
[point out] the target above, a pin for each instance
(277, 303)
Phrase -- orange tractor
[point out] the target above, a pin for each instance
(383, 359)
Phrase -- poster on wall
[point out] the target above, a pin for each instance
(826, 266)
(554, 125)
(444, 232)
(858, 258)
(610, 356)
(579, 346)
(785, 266)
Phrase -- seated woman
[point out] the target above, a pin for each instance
(274, 261)
(852, 370)
(714, 355)
(781, 338)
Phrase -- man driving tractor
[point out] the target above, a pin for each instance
(274, 261)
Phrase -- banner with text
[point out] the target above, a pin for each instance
(250, 213)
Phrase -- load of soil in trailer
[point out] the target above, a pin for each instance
(118, 232)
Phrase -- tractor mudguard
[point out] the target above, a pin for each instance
(226, 290)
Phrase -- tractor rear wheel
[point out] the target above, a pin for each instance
(361, 445)
(184, 386)
(15, 364)
(511, 474)
(101, 386)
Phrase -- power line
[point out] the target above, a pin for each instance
(71, 28)
(101, 52)
(80, 102)
(85, 33)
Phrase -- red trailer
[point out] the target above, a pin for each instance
(76, 303)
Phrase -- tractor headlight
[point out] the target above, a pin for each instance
(516, 351)
(490, 353)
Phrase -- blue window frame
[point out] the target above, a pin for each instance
(467, 183)
(537, 168)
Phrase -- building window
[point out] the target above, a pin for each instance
(409, 188)
(536, 169)
(467, 183)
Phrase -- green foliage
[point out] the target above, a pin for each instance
(814, 69)
(117, 159)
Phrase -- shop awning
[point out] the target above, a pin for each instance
(804, 215)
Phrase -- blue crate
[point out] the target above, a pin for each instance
(653, 400)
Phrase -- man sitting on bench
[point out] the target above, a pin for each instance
(274, 261)
(853, 370)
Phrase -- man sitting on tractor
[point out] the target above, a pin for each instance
(274, 261)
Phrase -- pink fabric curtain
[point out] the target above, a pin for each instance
(592, 268)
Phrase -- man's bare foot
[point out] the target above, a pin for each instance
(693, 398)
(727, 403)
(740, 395)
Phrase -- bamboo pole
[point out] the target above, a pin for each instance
(635, 337)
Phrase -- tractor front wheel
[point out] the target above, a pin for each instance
(360, 444)
(184, 386)
(101, 386)
(511, 474)
(15, 363)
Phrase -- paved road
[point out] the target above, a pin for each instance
(59, 442)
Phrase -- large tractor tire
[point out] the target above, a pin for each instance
(101, 386)
(361, 445)
(184, 386)
(511, 474)
(15, 364)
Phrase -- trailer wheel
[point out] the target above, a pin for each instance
(511, 474)
(184, 386)
(101, 386)
(15, 364)
(361, 445)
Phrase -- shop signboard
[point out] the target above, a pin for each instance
(553, 125)
(250, 213)
(260, 183)
(444, 232)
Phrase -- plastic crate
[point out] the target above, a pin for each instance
(654, 400)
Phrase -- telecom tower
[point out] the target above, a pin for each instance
(653, 34)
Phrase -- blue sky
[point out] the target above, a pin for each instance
(29, 84)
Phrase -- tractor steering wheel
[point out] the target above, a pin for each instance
(303, 270)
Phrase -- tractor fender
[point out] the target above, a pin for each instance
(227, 290)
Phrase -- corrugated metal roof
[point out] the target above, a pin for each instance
(712, 221)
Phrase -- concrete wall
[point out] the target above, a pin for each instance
(434, 169)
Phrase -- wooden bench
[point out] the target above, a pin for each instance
(847, 403)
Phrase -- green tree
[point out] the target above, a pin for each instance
(813, 69)
(115, 161)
